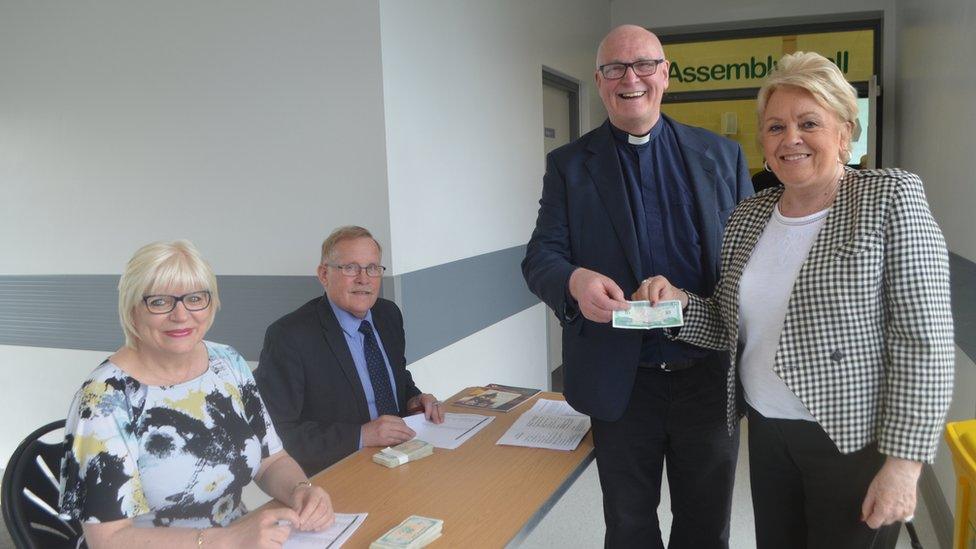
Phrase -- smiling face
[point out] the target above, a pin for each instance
(801, 139)
(177, 332)
(353, 294)
(632, 102)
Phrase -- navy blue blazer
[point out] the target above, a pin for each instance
(585, 220)
(310, 385)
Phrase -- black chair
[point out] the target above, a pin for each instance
(30, 494)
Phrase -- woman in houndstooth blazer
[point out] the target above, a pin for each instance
(834, 303)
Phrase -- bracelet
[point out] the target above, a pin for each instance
(302, 483)
(199, 538)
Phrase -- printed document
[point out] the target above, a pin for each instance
(455, 431)
(551, 424)
(331, 538)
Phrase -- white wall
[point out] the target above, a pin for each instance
(507, 352)
(248, 127)
(39, 385)
(702, 15)
(936, 116)
(463, 94)
(462, 88)
(256, 129)
(936, 84)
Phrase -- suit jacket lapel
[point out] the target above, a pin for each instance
(336, 340)
(838, 227)
(604, 168)
(701, 171)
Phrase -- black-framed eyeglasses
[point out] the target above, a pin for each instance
(353, 269)
(616, 71)
(163, 304)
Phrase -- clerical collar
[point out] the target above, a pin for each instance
(624, 137)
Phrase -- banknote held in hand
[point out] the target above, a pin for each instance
(643, 316)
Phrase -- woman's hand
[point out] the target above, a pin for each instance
(657, 288)
(891, 495)
(260, 529)
(314, 507)
(281, 478)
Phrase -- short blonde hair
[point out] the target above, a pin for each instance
(163, 265)
(346, 232)
(826, 83)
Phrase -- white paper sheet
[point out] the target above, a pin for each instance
(331, 538)
(551, 424)
(455, 431)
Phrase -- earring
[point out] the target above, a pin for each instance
(766, 165)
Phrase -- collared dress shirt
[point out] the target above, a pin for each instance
(354, 339)
(662, 205)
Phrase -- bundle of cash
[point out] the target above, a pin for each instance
(642, 316)
(411, 450)
(411, 533)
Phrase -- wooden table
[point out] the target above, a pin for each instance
(487, 495)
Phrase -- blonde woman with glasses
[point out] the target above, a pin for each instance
(164, 435)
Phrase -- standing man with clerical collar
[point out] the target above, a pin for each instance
(639, 196)
(333, 373)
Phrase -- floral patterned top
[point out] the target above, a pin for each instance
(176, 455)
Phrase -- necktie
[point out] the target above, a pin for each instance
(378, 375)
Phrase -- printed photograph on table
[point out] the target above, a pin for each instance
(497, 397)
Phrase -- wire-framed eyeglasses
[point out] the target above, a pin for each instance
(353, 269)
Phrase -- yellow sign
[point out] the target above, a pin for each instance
(708, 115)
(744, 62)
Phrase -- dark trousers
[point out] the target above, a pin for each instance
(805, 493)
(678, 417)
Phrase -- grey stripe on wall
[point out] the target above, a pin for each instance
(66, 311)
(446, 303)
(80, 311)
(441, 305)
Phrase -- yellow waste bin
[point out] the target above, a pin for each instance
(961, 437)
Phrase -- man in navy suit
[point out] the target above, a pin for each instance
(639, 196)
(333, 373)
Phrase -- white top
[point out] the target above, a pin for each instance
(764, 294)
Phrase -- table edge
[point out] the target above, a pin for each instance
(554, 498)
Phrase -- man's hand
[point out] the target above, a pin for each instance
(891, 495)
(386, 431)
(598, 296)
(431, 406)
(657, 288)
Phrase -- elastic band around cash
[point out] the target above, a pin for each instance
(396, 454)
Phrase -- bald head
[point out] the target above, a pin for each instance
(633, 101)
(625, 34)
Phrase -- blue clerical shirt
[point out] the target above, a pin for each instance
(354, 340)
(663, 207)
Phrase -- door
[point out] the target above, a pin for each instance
(560, 120)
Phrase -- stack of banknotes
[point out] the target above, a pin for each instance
(411, 450)
(413, 532)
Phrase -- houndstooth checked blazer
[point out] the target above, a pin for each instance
(867, 341)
